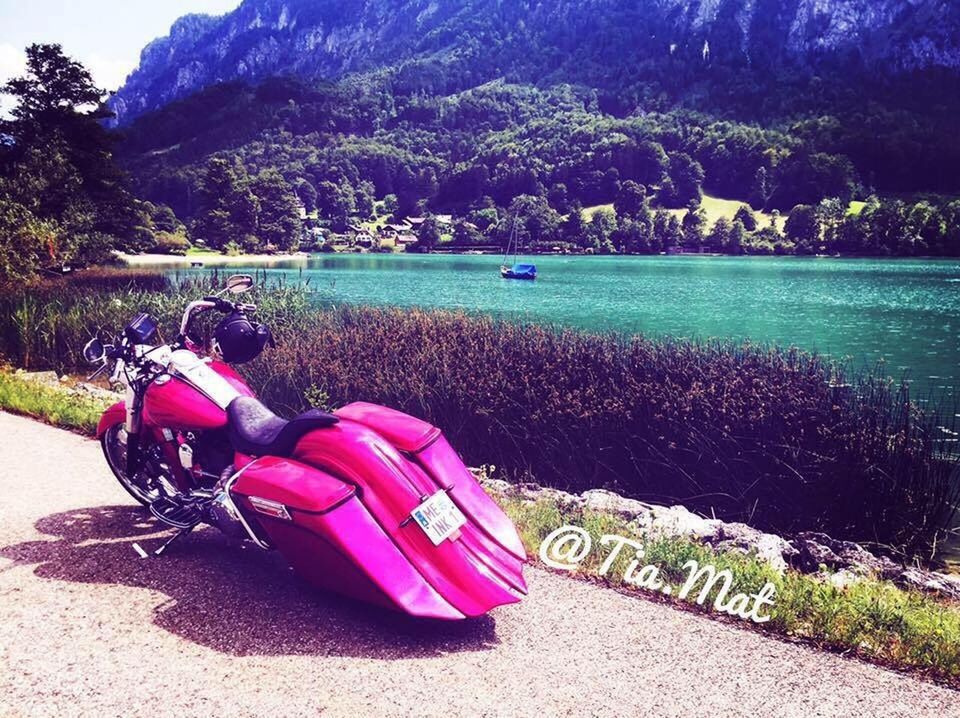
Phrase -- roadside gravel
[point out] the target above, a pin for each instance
(86, 628)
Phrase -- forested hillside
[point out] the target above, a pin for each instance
(341, 147)
(464, 108)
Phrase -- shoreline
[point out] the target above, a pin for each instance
(160, 260)
(176, 260)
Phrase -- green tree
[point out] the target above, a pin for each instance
(831, 213)
(687, 177)
(307, 194)
(390, 204)
(601, 229)
(573, 228)
(803, 229)
(466, 234)
(887, 229)
(163, 218)
(694, 226)
(428, 237)
(484, 218)
(58, 162)
(761, 190)
(559, 198)
(634, 236)
(737, 238)
(926, 226)
(278, 220)
(666, 231)
(769, 240)
(228, 206)
(746, 217)
(950, 246)
(336, 202)
(365, 198)
(631, 200)
(26, 241)
(537, 221)
(718, 238)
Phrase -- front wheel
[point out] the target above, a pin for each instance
(114, 443)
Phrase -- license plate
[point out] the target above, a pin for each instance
(439, 517)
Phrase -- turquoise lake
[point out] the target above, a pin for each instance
(905, 313)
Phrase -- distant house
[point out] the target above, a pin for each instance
(363, 239)
(393, 230)
(416, 222)
(404, 240)
(301, 209)
(444, 219)
(312, 237)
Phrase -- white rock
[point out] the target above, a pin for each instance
(844, 578)
(674, 521)
(603, 500)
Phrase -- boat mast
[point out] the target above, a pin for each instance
(511, 242)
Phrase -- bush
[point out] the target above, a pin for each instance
(24, 246)
(170, 243)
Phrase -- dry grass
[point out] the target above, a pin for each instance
(772, 437)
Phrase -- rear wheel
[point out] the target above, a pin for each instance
(140, 486)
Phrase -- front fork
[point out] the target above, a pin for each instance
(133, 423)
(165, 438)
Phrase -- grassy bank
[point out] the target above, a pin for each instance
(50, 404)
(872, 619)
(776, 438)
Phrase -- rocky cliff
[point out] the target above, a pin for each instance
(591, 41)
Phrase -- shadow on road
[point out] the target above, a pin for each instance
(236, 599)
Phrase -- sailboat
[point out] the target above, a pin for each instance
(516, 270)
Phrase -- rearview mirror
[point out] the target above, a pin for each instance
(239, 283)
(94, 351)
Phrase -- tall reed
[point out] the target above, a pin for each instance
(776, 437)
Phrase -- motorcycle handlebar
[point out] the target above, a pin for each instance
(221, 305)
(212, 302)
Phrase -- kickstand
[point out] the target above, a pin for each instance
(169, 541)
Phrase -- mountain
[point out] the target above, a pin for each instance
(483, 109)
(630, 49)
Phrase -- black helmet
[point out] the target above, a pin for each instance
(240, 340)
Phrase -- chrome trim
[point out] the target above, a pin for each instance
(181, 372)
(191, 308)
(269, 508)
(232, 506)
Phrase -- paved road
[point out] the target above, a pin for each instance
(216, 629)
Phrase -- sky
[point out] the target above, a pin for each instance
(105, 36)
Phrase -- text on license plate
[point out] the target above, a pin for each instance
(439, 517)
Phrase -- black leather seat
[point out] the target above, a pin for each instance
(257, 431)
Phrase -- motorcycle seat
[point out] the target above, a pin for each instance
(257, 431)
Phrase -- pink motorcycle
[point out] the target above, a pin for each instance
(366, 501)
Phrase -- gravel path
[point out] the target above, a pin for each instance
(216, 629)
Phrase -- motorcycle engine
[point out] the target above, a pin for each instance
(221, 512)
(212, 451)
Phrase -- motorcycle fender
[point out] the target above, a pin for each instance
(295, 485)
(407, 433)
(323, 530)
(443, 464)
(469, 571)
(116, 414)
(432, 452)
